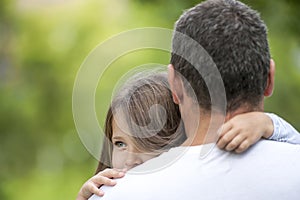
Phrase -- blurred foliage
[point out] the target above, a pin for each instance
(42, 45)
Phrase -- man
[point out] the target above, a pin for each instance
(236, 39)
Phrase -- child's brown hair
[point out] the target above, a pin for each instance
(145, 103)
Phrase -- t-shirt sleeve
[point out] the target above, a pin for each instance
(283, 131)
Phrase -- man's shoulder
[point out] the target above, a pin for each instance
(169, 159)
(271, 146)
(256, 166)
(278, 156)
(271, 150)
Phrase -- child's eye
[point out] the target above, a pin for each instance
(120, 144)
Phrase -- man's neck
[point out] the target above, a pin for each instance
(206, 131)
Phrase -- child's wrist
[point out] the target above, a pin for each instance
(269, 129)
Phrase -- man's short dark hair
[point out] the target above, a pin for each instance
(236, 38)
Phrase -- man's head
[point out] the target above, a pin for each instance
(236, 38)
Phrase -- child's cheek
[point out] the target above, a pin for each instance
(118, 161)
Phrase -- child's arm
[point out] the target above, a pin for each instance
(243, 130)
(283, 131)
(92, 185)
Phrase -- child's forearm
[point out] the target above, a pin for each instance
(283, 131)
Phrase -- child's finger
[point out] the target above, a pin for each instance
(88, 190)
(243, 146)
(224, 129)
(235, 142)
(102, 180)
(112, 173)
(226, 138)
(94, 190)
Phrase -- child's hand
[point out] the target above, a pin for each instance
(102, 178)
(243, 130)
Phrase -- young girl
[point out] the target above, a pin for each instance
(138, 129)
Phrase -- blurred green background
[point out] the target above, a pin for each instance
(42, 45)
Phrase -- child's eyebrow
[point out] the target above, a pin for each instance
(117, 138)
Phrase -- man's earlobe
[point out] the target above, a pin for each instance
(175, 98)
(270, 82)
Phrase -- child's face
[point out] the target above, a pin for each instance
(125, 154)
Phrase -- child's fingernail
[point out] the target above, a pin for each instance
(121, 173)
(113, 181)
(101, 193)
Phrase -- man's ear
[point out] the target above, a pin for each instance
(175, 84)
(270, 82)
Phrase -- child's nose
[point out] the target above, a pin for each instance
(133, 159)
